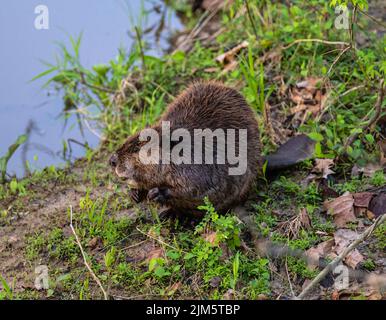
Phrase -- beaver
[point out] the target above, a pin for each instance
(182, 187)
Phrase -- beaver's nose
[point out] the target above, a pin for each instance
(113, 160)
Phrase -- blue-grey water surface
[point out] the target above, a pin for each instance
(105, 25)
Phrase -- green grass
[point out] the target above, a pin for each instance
(188, 260)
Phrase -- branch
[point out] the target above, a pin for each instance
(342, 43)
(337, 58)
(381, 219)
(85, 258)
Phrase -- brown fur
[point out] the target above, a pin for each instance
(183, 187)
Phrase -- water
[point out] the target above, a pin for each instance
(105, 25)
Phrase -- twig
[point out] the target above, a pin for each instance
(159, 240)
(134, 245)
(339, 258)
(351, 90)
(202, 22)
(373, 18)
(377, 107)
(338, 57)
(85, 258)
(288, 278)
(94, 132)
(342, 43)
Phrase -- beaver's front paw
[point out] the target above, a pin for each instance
(137, 195)
(160, 195)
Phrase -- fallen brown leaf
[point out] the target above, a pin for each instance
(342, 209)
(320, 251)
(343, 237)
(335, 295)
(362, 199)
(94, 242)
(353, 258)
(227, 59)
(323, 166)
(370, 215)
(211, 237)
(308, 96)
(154, 254)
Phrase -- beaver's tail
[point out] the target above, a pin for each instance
(295, 150)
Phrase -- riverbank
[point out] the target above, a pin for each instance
(300, 75)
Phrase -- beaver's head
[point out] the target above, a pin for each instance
(130, 165)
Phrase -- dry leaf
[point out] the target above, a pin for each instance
(353, 258)
(94, 242)
(155, 253)
(323, 166)
(343, 238)
(228, 58)
(374, 296)
(230, 66)
(335, 295)
(261, 296)
(308, 96)
(362, 199)
(211, 237)
(370, 215)
(342, 209)
(320, 251)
